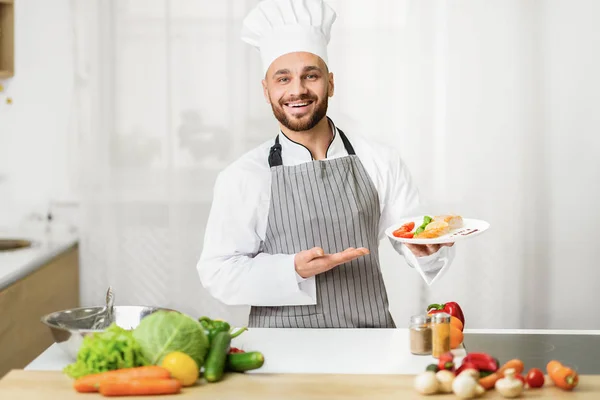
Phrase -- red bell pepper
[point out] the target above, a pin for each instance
(466, 365)
(451, 308)
(482, 361)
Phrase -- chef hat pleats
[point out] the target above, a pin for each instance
(278, 27)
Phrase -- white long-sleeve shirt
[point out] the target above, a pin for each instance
(231, 267)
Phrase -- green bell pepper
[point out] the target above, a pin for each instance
(213, 326)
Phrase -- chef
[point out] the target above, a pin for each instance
(295, 223)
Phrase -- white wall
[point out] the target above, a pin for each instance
(517, 73)
(571, 144)
(34, 140)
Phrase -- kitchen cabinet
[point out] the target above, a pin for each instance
(7, 38)
(51, 287)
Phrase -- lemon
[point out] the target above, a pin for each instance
(182, 367)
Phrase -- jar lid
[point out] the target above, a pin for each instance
(441, 317)
(420, 319)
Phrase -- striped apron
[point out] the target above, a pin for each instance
(334, 205)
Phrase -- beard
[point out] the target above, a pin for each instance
(306, 122)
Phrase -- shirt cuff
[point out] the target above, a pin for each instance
(299, 278)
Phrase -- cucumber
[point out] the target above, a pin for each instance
(214, 366)
(432, 367)
(240, 362)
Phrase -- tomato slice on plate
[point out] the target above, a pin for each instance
(409, 226)
(404, 234)
(405, 230)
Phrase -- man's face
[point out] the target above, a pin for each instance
(298, 85)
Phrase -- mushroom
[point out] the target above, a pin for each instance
(445, 378)
(509, 386)
(465, 385)
(426, 383)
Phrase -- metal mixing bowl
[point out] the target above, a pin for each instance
(69, 327)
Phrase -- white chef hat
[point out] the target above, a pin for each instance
(278, 27)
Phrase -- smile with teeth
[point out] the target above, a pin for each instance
(299, 104)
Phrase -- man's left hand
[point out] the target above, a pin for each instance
(422, 250)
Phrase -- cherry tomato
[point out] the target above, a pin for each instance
(520, 377)
(535, 378)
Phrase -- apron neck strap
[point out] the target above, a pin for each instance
(347, 144)
(276, 160)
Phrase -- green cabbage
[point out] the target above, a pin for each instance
(111, 349)
(163, 332)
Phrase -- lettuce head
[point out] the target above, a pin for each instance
(163, 332)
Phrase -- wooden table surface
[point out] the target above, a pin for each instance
(30, 385)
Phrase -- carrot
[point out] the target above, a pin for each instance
(489, 381)
(564, 377)
(139, 387)
(91, 383)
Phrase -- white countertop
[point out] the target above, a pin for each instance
(17, 264)
(343, 351)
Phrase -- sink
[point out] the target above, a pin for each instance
(14, 244)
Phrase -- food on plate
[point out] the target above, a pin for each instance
(433, 230)
(114, 348)
(430, 227)
(509, 386)
(453, 221)
(405, 230)
(181, 367)
(535, 378)
(451, 308)
(426, 221)
(140, 387)
(563, 376)
(91, 383)
(163, 332)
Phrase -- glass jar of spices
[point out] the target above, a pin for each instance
(440, 333)
(420, 334)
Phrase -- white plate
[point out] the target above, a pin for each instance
(471, 228)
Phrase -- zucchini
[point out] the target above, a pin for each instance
(240, 362)
(214, 366)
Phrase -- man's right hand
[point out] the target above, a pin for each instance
(314, 261)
